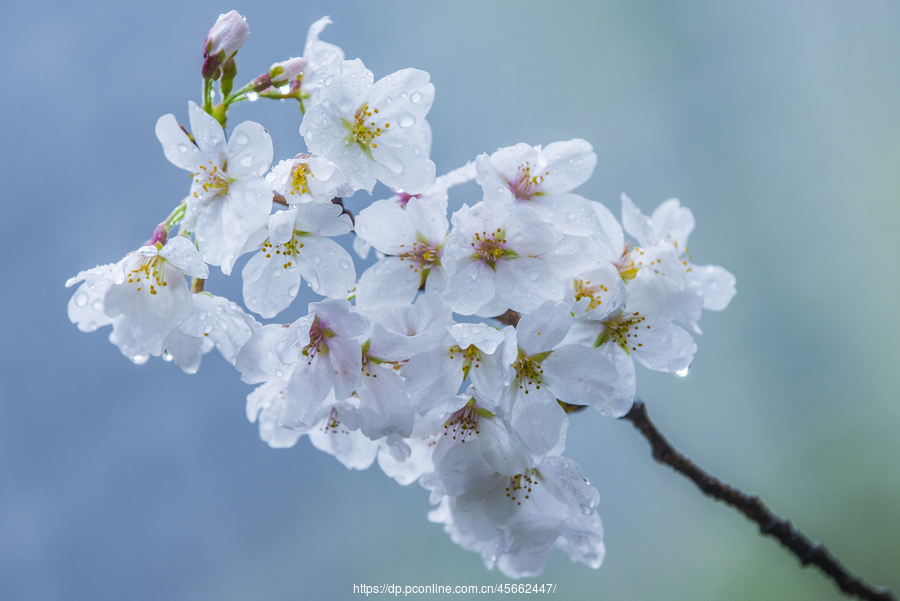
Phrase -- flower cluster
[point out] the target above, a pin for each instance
(394, 364)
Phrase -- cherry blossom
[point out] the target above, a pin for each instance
(373, 130)
(230, 199)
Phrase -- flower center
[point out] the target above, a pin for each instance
(317, 337)
(583, 289)
(528, 373)
(364, 128)
(286, 250)
(148, 271)
(520, 485)
(623, 330)
(333, 424)
(212, 180)
(463, 423)
(469, 355)
(491, 247)
(423, 255)
(526, 183)
(299, 175)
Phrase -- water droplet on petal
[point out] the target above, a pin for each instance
(278, 373)
(246, 160)
(97, 305)
(293, 290)
(407, 120)
(208, 329)
(344, 264)
(81, 299)
(415, 97)
(586, 509)
(328, 80)
(182, 148)
(533, 276)
(252, 96)
(683, 371)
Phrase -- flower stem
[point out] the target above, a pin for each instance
(807, 551)
(175, 216)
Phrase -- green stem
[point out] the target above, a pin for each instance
(207, 95)
(175, 216)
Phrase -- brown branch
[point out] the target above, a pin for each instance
(807, 551)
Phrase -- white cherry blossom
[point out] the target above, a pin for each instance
(373, 130)
(413, 238)
(306, 178)
(149, 289)
(543, 179)
(435, 374)
(230, 198)
(297, 246)
(497, 256)
(671, 224)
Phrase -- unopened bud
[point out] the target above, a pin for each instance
(159, 236)
(222, 42)
(285, 71)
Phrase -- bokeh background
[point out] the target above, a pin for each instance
(777, 123)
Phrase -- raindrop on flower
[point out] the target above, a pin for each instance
(182, 148)
(586, 509)
(683, 371)
(415, 97)
(81, 299)
(252, 96)
(407, 120)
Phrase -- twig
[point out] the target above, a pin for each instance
(807, 551)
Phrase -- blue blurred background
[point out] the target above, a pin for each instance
(777, 123)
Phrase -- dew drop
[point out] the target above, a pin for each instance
(97, 305)
(140, 359)
(182, 147)
(81, 299)
(415, 97)
(252, 96)
(293, 290)
(344, 264)
(328, 80)
(278, 373)
(533, 276)
(241, 139)
(586, 509)
(683, 371)
(407, 120)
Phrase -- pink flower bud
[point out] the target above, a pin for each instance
(286, 71)
(226, 37)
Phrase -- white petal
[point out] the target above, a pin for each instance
(269, 287)
(178, 148)
(579, 375)
(350, 447)
(181, 252)
(716, 283)
(326, 266)
(249, 151)
(543, 329)
(388, 283)
(206, 130)
(636, 223)
(570, 164)
(526, 283)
